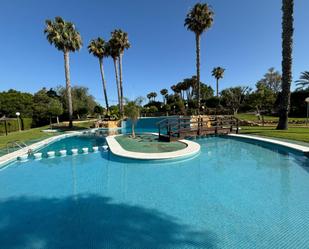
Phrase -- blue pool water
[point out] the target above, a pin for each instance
(76, 142)
(144, 124)
(234, 194)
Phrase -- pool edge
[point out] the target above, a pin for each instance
(8, 158)
(191, 149)
(297, 147)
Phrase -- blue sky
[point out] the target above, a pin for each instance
(245, 39)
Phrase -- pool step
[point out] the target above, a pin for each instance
(62, 153)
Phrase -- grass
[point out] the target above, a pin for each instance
(27, 136)
(82, 123)
(36, 134)
(253, 117)
(293, 133)
(148, 144)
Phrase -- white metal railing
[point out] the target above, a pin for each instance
(15, 143)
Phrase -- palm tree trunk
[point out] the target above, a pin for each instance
(197, 40)
(120, 83)
(217, 87)
(58, 120)
(68, 86)
(133, 130)
(287, 43)
(117, 82)
(187, 94)
(104, 84)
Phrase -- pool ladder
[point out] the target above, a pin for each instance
(15, 143)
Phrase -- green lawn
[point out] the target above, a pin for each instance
(36, 134)
(148, 144)
(253, 117)
(28, 136)
(293, 133)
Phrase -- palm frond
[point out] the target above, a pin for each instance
(218, 72)
(303, 80)
(63, 35)
(199, 18)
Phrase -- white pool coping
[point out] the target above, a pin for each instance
(191, 149)
(301, 148)
(14, 155)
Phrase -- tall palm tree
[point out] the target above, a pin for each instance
(149, 96)
(98, 48)
(303, 81)
(112, 51)
(187, 88)
(175, 89)
(121, 43)
(181, 87)
(287, 43)
(218, 73)
(198, 20)
(164, 92)
(64, 36)
(193, 84)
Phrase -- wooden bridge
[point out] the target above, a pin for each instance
(173, 129)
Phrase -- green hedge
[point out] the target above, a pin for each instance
(12, 125)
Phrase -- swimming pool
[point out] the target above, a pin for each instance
(75, 142)
(234, 194)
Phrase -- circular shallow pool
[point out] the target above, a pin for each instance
(235, 194)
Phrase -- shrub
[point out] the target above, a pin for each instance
(12, 125)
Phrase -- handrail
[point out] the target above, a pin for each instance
(17, 143)
(186, 124)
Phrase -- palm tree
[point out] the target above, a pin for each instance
(64, 36)
(303, 81)
(181, 87)
(187, 88)
(287, 43)
(132, 111)
(193, 85)
(176, 90)
(154, 95)
(218, 73)
(164, 93)
(149, 96)
(199, 19)
(97, 47)
(121, 42)
(112, 51)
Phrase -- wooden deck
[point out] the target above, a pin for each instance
(173, 129)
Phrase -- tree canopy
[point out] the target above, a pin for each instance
(63, 35)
